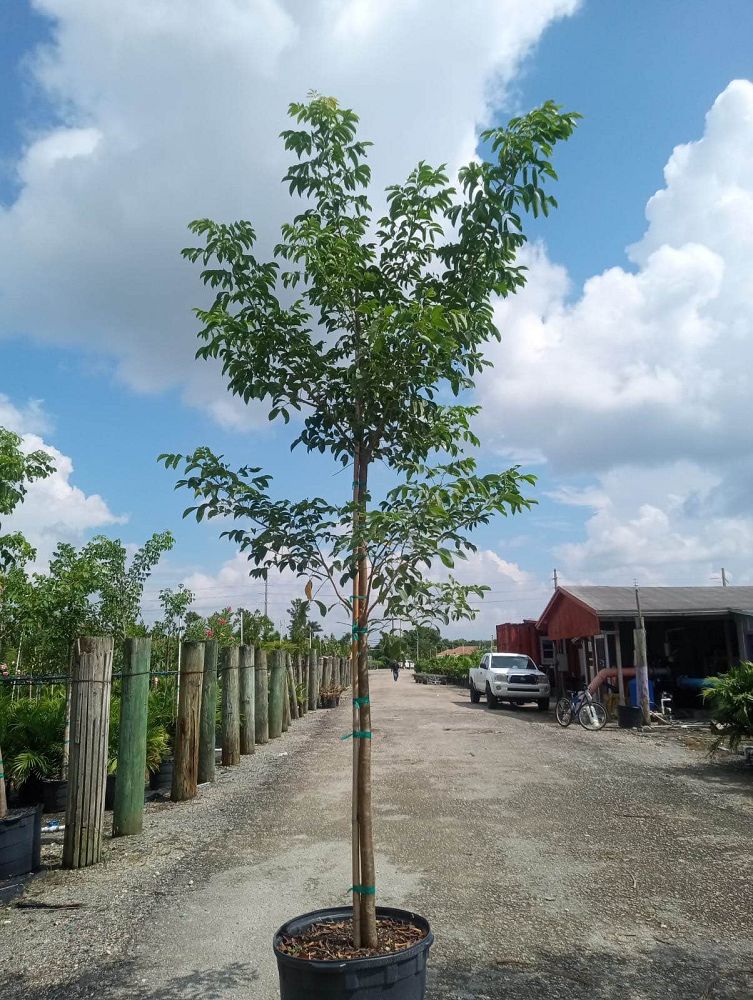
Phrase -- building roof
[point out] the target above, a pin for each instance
(575, 612)
(620, 601)
(459, 651)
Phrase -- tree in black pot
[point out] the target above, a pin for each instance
(361, 330)
(19, 830)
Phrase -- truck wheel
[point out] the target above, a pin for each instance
(543, 704)
(475, 695)
(491, 700)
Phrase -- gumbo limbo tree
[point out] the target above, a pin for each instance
(364, 333)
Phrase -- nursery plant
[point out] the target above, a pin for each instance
(17, 470)
(365, 333)
(731, 700)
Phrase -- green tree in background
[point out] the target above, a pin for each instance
(17, 470)
(360, 331)
(175, 603)
(301, 628)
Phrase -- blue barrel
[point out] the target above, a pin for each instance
(633, 693)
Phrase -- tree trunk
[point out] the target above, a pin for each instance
(3, 798)
(355, 850)
(367, 892)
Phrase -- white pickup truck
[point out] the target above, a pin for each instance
(512, 677)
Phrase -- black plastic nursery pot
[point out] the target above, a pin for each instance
(110, 792)
(20, 842)
(162, 779)
(629, 717)
(398, 976)
(54, 794)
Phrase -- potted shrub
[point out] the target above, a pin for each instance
(329, 697)
(31, 730)
(730, 696)
(363, 328)
(161, 722)
(20, 828)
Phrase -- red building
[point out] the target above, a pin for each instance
(691, 632)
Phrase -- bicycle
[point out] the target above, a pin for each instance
(580, 705)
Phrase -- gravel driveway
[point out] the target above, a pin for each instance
(551, 863)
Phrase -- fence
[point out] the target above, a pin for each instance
(261, 695)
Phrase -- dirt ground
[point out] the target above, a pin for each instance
(551, 863)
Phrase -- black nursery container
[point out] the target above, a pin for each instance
(629, 717)
(399, 976)
(54, 794)
(20, 842)
(161, 780)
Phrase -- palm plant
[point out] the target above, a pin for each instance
(31, 733)
(731, 701)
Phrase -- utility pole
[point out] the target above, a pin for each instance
(724, 578)
(241, 614)
(266, 597)
(556, 580)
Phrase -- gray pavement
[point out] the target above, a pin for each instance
(551, 863)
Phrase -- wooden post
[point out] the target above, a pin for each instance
(247, 698)
(261, 700)
(618, 658)
(128, 809)
(186, 765)
(231, 730)
(303, 682)
(641, 673)
(91, 681)
(313, 668)
(641, 662)
(291, 690)
(208, 723)
(276, 694)
(285, 695)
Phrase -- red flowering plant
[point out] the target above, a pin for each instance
(219, 626)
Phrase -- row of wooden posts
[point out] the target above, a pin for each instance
(259, 699)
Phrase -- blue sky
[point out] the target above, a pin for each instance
(95, 315)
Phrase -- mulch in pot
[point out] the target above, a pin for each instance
(332, 941)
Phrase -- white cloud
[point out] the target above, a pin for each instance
(652, 365)
(659, 526)
(170, 110)
(54, 509)
(639, 387)
(513, 593)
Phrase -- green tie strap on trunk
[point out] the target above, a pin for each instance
(361, 701)
(357, 734)
(359, 630)
(363, 890)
